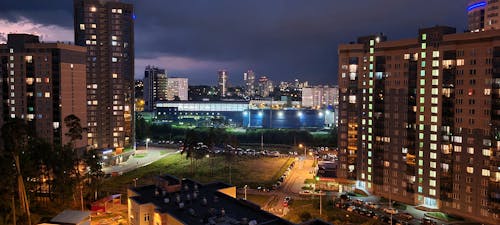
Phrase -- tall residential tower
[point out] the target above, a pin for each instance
(419, 119)
(43, 83)
(106, 28)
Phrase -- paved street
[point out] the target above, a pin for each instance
(146, 157)
(291, 186)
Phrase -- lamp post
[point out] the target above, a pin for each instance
(135, 181)
(147, 142)
(246, 186)
(305, 149)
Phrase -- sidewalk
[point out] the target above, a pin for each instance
(150, 156)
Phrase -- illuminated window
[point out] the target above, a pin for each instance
(433, 155)
(432, 192)
(424, 45)
(470, 150)
(423, 55)
(485, 172)
(93, 25)
(486, 152)
(432, 183)
(470, 170)
(435, 82)
(406, 56)
(115, 75)
(424, 37)
(435, 63)
(432, 173)
(47, 94)
(93, 9)
(82, 26)
(435, 54)
(433, 165)
(460, 62)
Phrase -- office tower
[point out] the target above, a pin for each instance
(249, 79)
(106, 28)
(223, 76)
(265, 87)
(419, 119)
(155, 87)
(177, 89)
(483, 15)
(320, 97)
(43, 83)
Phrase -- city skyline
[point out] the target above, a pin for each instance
(285, 41)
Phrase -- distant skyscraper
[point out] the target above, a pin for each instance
(249, 78)
(106, 28)
(155, 87)
(177, 87)
(483, 15)
(320, 96)
(43, 83)
(266, 86)
(223, 76)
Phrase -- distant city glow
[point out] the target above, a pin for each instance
(476, 5)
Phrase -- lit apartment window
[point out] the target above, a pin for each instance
(114, 59)
(435, 54)
(115, 75)
(485, 172)
(486, 152)
(470, 150)
(435, 73)
(82, 26)
(433, 155)
(432, 192)
(460, 62)
(93, 9)
(470, 170)
(47, 94)
(432, 173)
(93, 25)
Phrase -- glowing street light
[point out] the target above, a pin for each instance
(147, 142)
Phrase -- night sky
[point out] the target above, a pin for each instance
(283, 39)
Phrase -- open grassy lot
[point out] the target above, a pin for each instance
(303, 209)
(250, 171)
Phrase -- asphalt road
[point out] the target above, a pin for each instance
(151, 155)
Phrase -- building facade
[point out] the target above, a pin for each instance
(43, 83)
(155, 87)
(265, 87)
(249, 79)
(106, 28)
(177, 89)
(223, 76)
(419, 119)
(483, 15)
(320, 97)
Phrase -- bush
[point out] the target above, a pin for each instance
(305, 216)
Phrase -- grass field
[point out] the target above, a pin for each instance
(250, 171)
(329, 213)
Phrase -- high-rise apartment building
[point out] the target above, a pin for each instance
(320, 97)
(265, 87)
(177, 89)
(43, 83)
(223, 76)
(249, 79)
(419, 119)
(106, 28)
(155, 87)
(483, 15)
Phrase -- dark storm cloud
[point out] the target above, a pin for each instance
(283, 39)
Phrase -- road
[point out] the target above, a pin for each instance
(151, 155)
(291, 186)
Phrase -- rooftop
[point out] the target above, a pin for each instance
(196, 203)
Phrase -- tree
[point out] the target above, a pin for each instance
(95, 174)
(189, 148)
(15, 137)
(75, 129)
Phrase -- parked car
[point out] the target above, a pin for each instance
(390, 210)
(406, 216)
(351, 208)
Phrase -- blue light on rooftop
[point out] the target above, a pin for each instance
(476, 5)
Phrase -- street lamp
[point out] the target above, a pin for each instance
(303, 146)
(147, 142)
(135, 181)
(246, 186)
